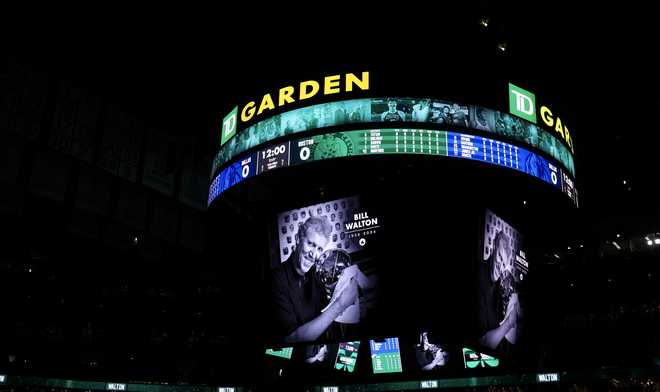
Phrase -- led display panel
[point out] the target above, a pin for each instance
(385, 356)
(393, 141)
(347, 356)
(502, 277)
(284, 352)
(324, 278)
(474, 359)
(393, 110)
(430, 354)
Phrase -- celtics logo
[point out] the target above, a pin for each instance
(332, 146)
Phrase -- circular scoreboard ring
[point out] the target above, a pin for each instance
(399, 112)
(392, 141)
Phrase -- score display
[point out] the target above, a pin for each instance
(368, 142)
(504, 154)
(389, 142)
(386, 356)
(423, 111)
(273, 158)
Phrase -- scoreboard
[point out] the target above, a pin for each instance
(413, 112)
(391, 142)
(368, 142)
(386, 356)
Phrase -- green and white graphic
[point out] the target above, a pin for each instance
(284, 352)
(229, 126)
(473, 359)
(368, 142)
(347, 356)
(514, 126)
(522, 103)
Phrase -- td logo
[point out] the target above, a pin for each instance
(228, 126)
(522, 103)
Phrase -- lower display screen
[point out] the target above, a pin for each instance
(473, 359)
(385, 356)
(393, 141)
(429, 353)
(280, 352)
(347, 356)
(381, 357)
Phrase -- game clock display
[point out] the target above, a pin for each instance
(273, 158)
(392, 142)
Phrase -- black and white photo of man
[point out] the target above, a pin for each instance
(441, 113)
(300, 304)
(421, 111)
(392, 114)
(322, 286)
(459, 115)
(429, 356)
(316, 353)
(482, 118)
(499, 308)
(502, 275)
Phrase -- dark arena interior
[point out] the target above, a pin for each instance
(463, 200)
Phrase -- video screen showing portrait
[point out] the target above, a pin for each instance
(326, 115)
(430, 353)
(324, 277)
(482, 119)
(391, 109)
(502, 273)
(450, 114)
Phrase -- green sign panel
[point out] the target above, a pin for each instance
(473, 359)
(280, 352)
(522, 103)
(375, 110)
(347, 356)
(229, 126)
(373, 141)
